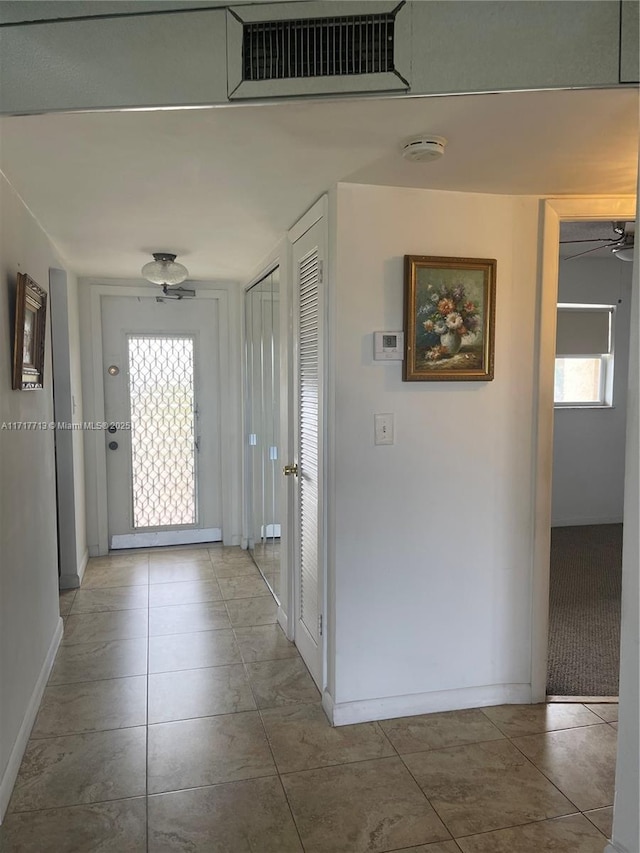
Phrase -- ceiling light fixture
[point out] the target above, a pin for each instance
(164, 270)
(421, 149)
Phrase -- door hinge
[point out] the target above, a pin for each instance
(320, 625)
(320, 272)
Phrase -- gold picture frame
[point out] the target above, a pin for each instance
(449, 319)
(29, 335)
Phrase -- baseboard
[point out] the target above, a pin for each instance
(584, 522)
(15, 759)
(283, 621)
(612, 847)
(345, 713)
(83, 565)
(327, 705)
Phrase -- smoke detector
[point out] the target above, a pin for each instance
(423, 148)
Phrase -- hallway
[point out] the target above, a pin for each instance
(179, 718)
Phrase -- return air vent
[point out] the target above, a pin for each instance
(359, 47)
(318, 47)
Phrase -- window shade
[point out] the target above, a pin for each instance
(583, 331)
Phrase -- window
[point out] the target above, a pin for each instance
(584, 356)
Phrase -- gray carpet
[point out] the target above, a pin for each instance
(584, 612)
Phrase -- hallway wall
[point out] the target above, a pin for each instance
(430, 540)
(30, 625)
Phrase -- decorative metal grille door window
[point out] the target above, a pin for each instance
(163, 430)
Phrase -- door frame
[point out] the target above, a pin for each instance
(553, 212)
(93, 377)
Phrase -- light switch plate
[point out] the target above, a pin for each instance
(388, 346)
(383, 429)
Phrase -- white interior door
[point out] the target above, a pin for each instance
(309, 301)
(161, 400)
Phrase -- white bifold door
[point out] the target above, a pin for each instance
(309, 311)
(161, 387)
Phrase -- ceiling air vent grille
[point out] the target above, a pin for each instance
(318, 47)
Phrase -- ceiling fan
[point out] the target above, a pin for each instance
(621, 244)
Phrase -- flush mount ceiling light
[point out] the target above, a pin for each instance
(423, 148)
(164, 270)
(624, 253)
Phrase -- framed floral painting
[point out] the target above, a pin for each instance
(449, 318)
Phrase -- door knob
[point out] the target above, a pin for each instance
(288, 470)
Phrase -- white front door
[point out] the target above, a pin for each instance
(308, 257)
(161, 387)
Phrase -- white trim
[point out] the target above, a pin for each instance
(553, 210)
(95, 450)
(74, 579)
(316, 212)
(612, 847)
(166, 537)
(15, 759)
(389, 707)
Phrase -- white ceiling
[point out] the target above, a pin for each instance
(219, 187)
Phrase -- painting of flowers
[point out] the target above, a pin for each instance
(449, 318)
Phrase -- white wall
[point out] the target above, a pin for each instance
(588, 444)
(430, 540)
(30, 625)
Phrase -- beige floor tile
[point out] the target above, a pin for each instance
(181, 572)
(573, 834)
(517, 720)
(184, 592)
(118, 559)
(281, 682)
(112, 827)
(264, 642)
(614, 726)
(302, 738)
(207, 751)
(247, 612)
(237, 817)
(235, 568)
(369, 806)
(603, 819)
(245, 586)
(111, 598)
(186, 618)
(65, 599)
(104, 627)
(485, 786)
(95, 661)
(77, 769)
(178, 556)
(173, 652)
(607, 711)
(434, 731)
(581, 762)
(199, 693)
(92, 706)
(115, 575)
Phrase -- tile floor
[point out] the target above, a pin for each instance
(179, 718)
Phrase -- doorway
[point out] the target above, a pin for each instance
(555, 211)
(590, 411)
(161, 403)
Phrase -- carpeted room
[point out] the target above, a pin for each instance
(594, 292)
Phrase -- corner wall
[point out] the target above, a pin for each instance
(30, 624)
(589, 444)
(431, 539)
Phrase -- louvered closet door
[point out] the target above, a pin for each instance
(308, 258)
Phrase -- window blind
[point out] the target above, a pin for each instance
(583, 331)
